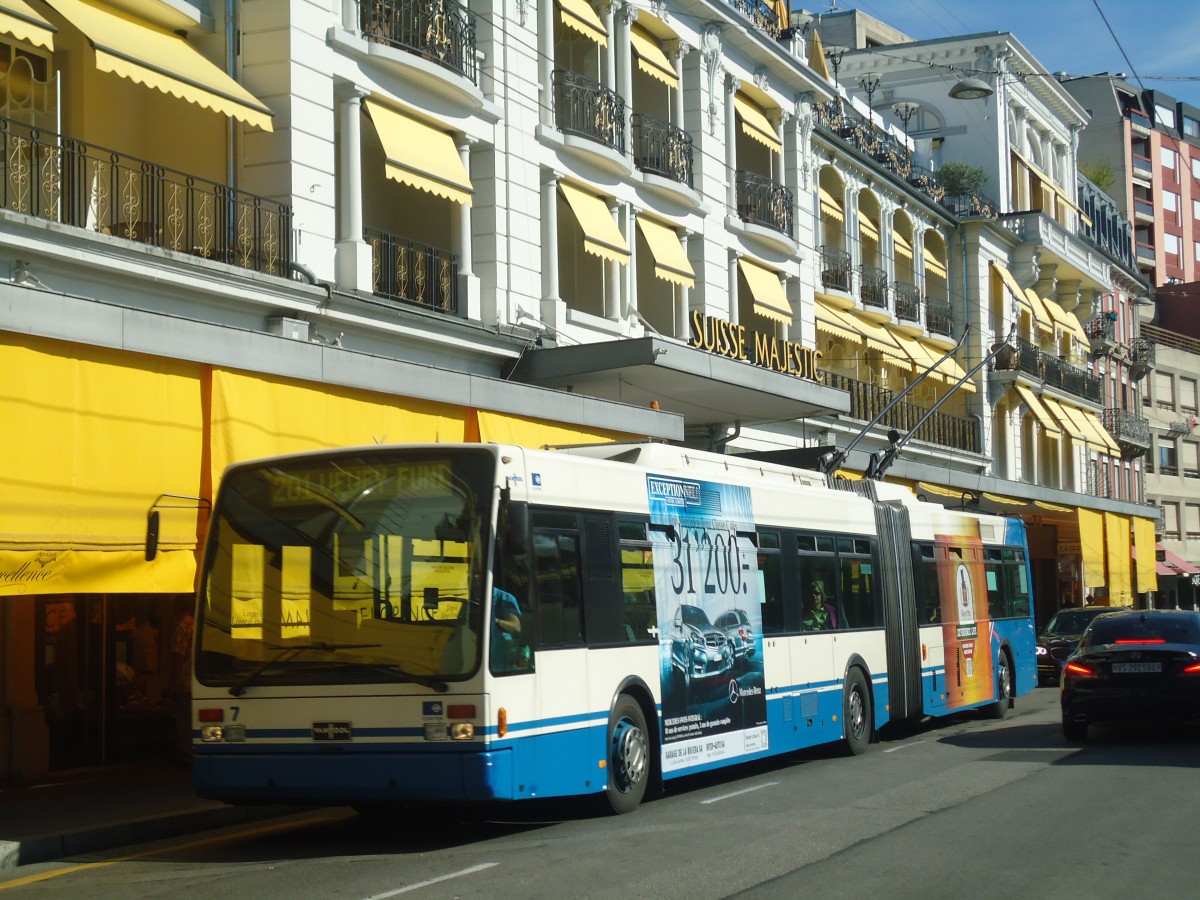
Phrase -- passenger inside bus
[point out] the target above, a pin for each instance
(506, 632)
(819, 614)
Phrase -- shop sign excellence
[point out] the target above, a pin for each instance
(738, 342)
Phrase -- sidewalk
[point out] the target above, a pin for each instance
(97, 809)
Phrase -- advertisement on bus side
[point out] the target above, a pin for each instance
(706, 576)
(966, 628)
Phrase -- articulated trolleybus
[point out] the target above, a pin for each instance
(475, 622)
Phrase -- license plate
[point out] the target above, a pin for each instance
(1131, 668)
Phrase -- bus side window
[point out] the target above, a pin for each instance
(929, 602)
(770, 572)
(556, 560)
(639, 615)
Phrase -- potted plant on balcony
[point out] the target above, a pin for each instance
(961, 180)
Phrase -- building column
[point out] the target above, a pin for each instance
(731, 87)
(734, 307)
(353, 263)
(468, 284)
(682, 300)
(550, 289)
(545, 36)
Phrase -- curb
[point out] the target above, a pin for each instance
(48, 847)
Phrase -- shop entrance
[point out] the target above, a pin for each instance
(108, 670)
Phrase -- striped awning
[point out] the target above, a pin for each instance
(770, 300)
(601, 236)
(755, 123)
(670, 259)
(650, 56)
(20, 20)
(579, 16)
(1038, 409)
(420, 155)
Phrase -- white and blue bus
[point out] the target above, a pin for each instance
(477, 622)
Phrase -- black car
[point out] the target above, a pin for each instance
(1133, 665)
(1060, 639)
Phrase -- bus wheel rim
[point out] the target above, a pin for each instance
(630, 754)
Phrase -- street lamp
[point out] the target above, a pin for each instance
(869, 82)
(971, 88)
(834, 54)
(904, 111)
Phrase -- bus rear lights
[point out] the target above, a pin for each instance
(211, 715)
(460, 711)
(502, 722)
(462, 731)
(223, 734)
(436, 731)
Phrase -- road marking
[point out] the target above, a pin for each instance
(440, 878)
(903, 747)
(739, 793)
(171, 848)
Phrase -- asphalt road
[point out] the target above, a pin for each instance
(961, 808)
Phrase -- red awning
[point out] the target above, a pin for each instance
(1180, 565)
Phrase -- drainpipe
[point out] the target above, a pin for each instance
(230, 64)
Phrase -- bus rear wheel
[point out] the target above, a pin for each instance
(628, 762)
(1004, 688)
(856, 713)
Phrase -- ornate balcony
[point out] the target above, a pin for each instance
(1143, 358)
(971, 206)
(1022, 356)
(54, 177)
(762, 201)
(761, 14)
(1102, 334)
(873, 288)
(908, 301)
(1132, 433)
(588, 109)
(836, 269)
(437, 30)
(662, 148)
(927, 183)
(939, 317)
(942, 429)
(412, 272)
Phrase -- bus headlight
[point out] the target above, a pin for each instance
(223, 734)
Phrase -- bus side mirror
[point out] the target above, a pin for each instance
(151, 535)
(516, 528)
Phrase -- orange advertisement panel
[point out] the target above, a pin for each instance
(966, 628)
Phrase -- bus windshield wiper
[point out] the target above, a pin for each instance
(239, 687)
(400, 674)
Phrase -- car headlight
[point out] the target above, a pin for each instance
(1041, 651)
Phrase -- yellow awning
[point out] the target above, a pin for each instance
(867, 229)
(159, 59)
(949, 367)
(650, 56)
(878, 339)
(770, 300)
(816, 56)
(579, 15)
(1091, 542)
(1116, 541)
(91, 438)
(1092, 429)
(835, 322)
(1066, 420)
(1039, 411)
(601, 236)
(938, 493)
(1144, 554)
(670, 259)
(493, 427)
(1041, 311)
(19, 19)
(831, 206)
(1072, 324)
(419, 155)
(255, 415)
(755, 123)
(902, 244)
(1036, 310)
(999, 504)
(919, 354)
(934, 265)
(1063, 194)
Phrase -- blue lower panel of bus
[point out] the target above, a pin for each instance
(366, 775)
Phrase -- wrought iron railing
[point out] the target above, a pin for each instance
(1127, 428)
(972, 205)
(1022, 356)
(836, 269)
(942, 429)
(413, 272)
(873, 287)
(1101, 329)
(587, 108)
(762, 201)
(662, 148)
(760, 13)
(1098, 483)
(928, 183)
(1145, 352)
(54, 177)
(438, 30)
(908, 301)
(939, 317)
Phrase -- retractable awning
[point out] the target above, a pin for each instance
(670, 259)
(1068, 423)
(902, 245)
(159, 59)
(879, 339)
(831, 206)
(755, 123)
(601, 236)
(1038, 409)
(1090, 424)
(1091, 542)
(581, 17)
(420, 155)
(650, 56)
(1118, 552)
(19, 19)
(867, 229)
(933, 264)
(1036, 311)
(1144, 558)
(949, 367)
(1177, 562)
(835, 322)
(767, 291)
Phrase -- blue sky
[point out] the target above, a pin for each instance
(1160, 37)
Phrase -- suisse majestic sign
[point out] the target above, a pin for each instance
(755, 347)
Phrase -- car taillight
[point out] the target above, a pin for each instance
(1079, 669)
(1139, 641)
(1193, 669)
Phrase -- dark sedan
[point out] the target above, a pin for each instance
(1133, 665)
(1060, 639)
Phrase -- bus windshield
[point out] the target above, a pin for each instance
(357, 567)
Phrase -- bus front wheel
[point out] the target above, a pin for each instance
(628, 756)
(1004, 688)
(856, 713)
